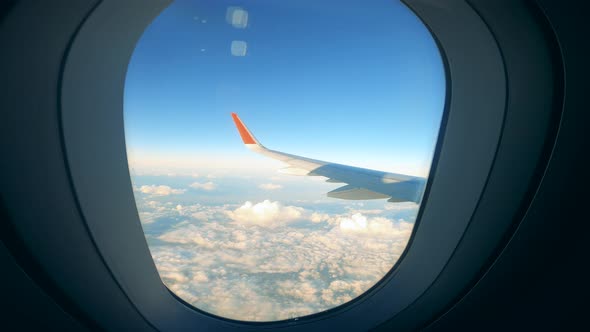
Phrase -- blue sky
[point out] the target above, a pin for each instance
(342, 82)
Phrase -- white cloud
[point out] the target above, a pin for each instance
(239, 235)
(319, 217)
(270, 186)
(204, 186)
(174, 277)
(200, 276)
(153, 204)
(305, 291)
(356, 223)
(161, 190)
(378, 226)
(188, 235)
(265, 213)
(201, 215)
(340, 291)
(151, 211)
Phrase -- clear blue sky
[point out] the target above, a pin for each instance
(353, 82)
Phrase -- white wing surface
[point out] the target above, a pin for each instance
(361, 183)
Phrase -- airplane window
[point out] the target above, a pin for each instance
(279, 150)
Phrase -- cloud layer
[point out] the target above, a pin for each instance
(265, 261)
(161, 190)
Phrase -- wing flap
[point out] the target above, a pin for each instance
(355, 193)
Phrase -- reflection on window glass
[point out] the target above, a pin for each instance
(279, 149)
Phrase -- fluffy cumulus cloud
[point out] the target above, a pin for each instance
(161, 190)
(375, 227)
(266, 213)
(265, 261)
(204, 186)
(270, 186)
(319, 217)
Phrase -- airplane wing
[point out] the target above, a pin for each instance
(360, 183)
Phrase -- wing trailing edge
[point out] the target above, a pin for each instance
(355, 193)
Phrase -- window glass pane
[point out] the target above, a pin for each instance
(348, 97)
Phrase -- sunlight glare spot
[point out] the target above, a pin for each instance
(238, 48)
(237, 17)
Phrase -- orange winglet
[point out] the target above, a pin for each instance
(246, 136)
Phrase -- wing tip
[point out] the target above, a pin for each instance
(247, 137)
